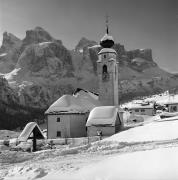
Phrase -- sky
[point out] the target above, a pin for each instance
(133, 23)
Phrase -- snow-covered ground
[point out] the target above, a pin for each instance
(159, 164)
(144, 152)
(155, 131)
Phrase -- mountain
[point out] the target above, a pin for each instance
(9, 41)
(38, 69)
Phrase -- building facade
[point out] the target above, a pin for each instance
(66, 125)
(66, 117)
(143, 110)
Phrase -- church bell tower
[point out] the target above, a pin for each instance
(107, 71)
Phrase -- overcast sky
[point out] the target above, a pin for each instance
(133, 23)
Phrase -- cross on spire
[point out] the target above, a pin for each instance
(107, 22)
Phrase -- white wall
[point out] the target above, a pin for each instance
(106, 131)
(149, 112)
(70, 125)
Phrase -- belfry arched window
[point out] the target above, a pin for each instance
(105, 74)
(105, 69)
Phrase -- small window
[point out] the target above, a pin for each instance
(104, 56)
(58, 133)
(136, 110)
(173, 108)
(58, 119)
(142, 110)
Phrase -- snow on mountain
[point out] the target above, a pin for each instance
(3, 54)
(10, 76)
(44, 43)
(51, 70)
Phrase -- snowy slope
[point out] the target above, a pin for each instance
(155, 131)
(158, 164)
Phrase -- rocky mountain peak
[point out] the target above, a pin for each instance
(9, 42)
(37, 35)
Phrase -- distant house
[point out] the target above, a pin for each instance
(142, 109)
(66, 118)
(104, 120)
(172, 106)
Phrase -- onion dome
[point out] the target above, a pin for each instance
(107, 41)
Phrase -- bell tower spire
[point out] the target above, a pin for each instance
(107, 70)
(107, 24)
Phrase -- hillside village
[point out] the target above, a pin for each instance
(83, 127)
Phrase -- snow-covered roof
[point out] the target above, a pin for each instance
(28, 130)
(103, 115)
(81, 102)
(107, 50)
(141, 106)
(107, 37)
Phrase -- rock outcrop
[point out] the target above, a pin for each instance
(9, 42)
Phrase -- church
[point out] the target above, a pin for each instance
(85, 113)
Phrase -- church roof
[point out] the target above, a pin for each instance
(103, 115)
(107, 37)
(80, 102)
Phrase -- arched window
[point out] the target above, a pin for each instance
(105, 74)
(105, 69)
